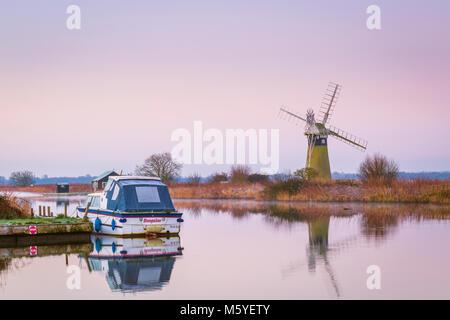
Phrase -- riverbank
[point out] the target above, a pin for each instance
(401, 191)
(36, 229)
(74, 188)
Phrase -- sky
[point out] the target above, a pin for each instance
(106, 96)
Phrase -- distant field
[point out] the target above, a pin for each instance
(47, 188)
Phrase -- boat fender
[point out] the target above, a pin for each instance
(113, 224)
(98, 245)
(123, 252)
(113, 247)
(123, 220)
(180, 220)
(98, 225)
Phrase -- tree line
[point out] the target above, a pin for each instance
(374, 168)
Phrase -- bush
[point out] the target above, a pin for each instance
(291, 186)
(239, 174)
(306, 173)
(256, 177)
(378, 169)
(219, 177)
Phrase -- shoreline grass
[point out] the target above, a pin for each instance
(12, 207)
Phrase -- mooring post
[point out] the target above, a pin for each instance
(40, 211)
(32, 213)
(48, 211)
(43, 211)
(67, 259)
(65, 209)
(85, 218)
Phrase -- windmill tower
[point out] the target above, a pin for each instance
(317, 132)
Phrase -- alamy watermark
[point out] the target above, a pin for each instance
(73, 21)
(73, 282)
(234, 146)
(373, 22)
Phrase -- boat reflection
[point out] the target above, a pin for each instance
(134, 264)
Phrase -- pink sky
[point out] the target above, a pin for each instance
(110, 94)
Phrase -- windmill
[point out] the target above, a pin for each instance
(317, 132)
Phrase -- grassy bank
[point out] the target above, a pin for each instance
(40, 220)
(16, 211)
(410, 191)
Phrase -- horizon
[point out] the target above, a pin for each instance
(112, 93)
(46, 177)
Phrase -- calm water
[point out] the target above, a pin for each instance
(248, 250)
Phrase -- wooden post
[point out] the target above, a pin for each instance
(32, 213)
(67, 259)
(49, 213)
(40, 211)
(86, 258)
(43, 211)
(85, 218)
(65, 209)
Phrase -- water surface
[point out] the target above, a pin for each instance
(248, 250)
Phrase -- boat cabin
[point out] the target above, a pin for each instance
(132, 194)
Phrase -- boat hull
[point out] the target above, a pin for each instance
(131, 224)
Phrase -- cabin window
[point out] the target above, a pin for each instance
(146, 194)
(108, 185)
(89, 199)
(95, 202)
(115, 193)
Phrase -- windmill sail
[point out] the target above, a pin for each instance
(329, 101)
(290, 115)
(348, 138)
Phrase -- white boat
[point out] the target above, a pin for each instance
(132, 205)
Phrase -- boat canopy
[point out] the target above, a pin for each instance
(133, 195)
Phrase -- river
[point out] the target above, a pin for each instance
(247, 250)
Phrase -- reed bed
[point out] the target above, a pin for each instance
(12, 207)
(409, 191)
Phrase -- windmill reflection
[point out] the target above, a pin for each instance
(134, 264)
(318, 248)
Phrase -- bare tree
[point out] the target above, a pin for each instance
(160, 165)
(22, 178)
(378, 168)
